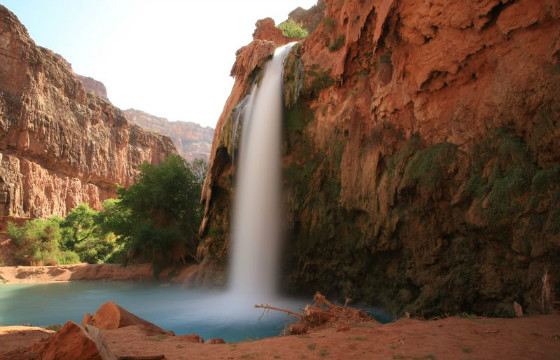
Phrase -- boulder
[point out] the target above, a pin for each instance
(265, 29)
(69, 343)
(111, 316)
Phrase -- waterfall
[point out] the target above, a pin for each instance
(257, 208)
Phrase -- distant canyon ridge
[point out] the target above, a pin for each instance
(191, 140)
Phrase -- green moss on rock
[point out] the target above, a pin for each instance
(427, 257)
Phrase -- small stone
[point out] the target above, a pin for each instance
(518, 309)
(192, 338)
(216, 341)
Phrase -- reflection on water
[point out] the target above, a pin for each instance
(173, 307)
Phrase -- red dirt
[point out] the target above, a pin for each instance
(451, 338)
(535, 337)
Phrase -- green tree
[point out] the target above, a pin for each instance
(157, 218)
(82, 234)
(78, 226)
(293, 30)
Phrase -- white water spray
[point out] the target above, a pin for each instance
(257, 208)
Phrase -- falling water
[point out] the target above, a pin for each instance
(256, 218)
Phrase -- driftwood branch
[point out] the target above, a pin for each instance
(321, 313)
(274, 308)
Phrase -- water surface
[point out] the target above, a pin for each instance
(173, 307)
(184, 310)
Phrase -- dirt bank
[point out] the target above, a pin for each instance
(46, 274)
(17, 337)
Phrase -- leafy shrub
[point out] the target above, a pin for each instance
(37, 242)
(293, 30)
(68, 257)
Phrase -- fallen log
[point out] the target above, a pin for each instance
(274, 308)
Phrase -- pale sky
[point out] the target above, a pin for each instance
(170, 58)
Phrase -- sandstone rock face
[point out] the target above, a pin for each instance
(60, 145)
(265, 29)
(93, 86)
(421, 155)
(191, 140)
(310, 19)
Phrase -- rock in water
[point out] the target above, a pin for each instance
(111, 316)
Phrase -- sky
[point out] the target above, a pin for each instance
(170, 58)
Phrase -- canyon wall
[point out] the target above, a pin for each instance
(60, 145)
(94, 86)
(192, 141)
(421, 155)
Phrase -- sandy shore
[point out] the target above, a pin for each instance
(60, 273)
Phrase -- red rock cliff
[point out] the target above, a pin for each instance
(422, 157)
(93, 86)
(59, 145)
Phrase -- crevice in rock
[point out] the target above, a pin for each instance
(495, 12)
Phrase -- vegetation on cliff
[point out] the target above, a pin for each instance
(293, 30)
(457, 232)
